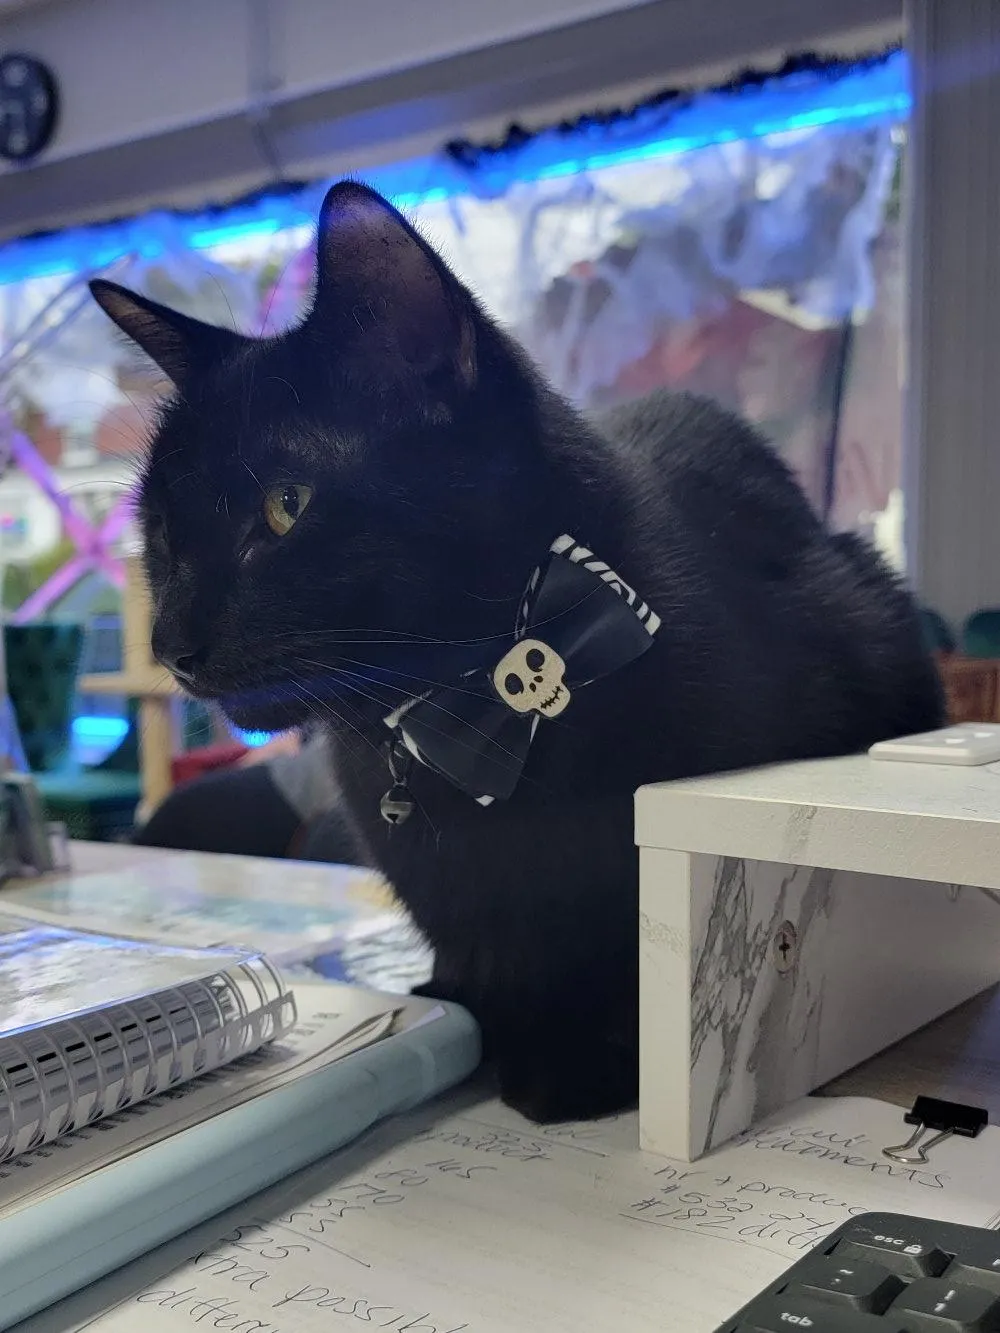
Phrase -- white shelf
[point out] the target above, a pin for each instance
(915, 821)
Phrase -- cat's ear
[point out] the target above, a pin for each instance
(385, 289)
(177, 343)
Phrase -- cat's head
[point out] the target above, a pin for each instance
(332, 514)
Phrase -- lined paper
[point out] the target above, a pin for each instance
(469, 1218)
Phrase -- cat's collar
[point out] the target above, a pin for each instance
(577, 622)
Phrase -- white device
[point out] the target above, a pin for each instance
(968, 744)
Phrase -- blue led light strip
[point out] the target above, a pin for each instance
(866, 94)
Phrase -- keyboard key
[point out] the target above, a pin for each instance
(908, 1254)
(937, 1277)
(935, 1305)
(853, 1284)
(978, 1263)
(783, 1314)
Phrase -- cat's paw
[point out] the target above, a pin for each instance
(558, 1089)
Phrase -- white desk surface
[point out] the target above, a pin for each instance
(916, 821)
(556, 1229)
(958, 1056)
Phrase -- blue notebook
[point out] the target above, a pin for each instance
(87, 1204)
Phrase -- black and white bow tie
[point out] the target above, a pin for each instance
(577, 622)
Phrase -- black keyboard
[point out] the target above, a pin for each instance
(885, 1273)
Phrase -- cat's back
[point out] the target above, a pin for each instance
(690, 454)
(705, 484)
(723, 520)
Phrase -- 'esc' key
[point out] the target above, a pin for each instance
(900, 1254)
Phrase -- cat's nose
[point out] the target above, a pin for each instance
(185, 666)
(179, 654)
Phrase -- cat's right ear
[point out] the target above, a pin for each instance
(386, 293)
(177, 343)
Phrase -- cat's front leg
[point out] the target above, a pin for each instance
(532, 912)
(570, 1076)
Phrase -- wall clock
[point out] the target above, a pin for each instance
(28, 106)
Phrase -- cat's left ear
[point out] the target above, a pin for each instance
(177, 343)
(387, 292)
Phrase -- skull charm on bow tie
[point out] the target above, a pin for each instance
(531, 679)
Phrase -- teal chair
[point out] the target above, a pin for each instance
(938, 636)
(98, 802)
(42, 664)
(981, 634)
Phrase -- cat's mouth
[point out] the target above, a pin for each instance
(355, 693)
(268, 705)
(282, 704)
(277, 706)
(279, 714)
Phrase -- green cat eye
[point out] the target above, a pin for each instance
(284, 505)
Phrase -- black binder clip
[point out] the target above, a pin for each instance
(942, 1119)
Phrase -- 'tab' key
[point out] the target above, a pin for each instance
(784, 1314)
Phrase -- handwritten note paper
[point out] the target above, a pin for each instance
(472, 1220)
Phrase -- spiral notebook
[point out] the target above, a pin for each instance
(79, 1208)
(91, 1024)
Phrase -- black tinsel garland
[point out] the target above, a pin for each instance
(473, 156)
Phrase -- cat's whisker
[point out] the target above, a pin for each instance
(431, 684)
(420, 680)
(331, 671)
(464, 744)
(334, 666)
(388, 704)
(426, 681)
(162, 458)
(262, 331)
(222, 293)
(495, 744)
(280, 379)
(405, 639)
(185, 476)
(253, 474)
(325, 708)
(435, 830)
(492, 601)
(402, 637)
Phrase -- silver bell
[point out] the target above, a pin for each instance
(396, 805)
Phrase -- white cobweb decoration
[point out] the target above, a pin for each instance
(589, 268)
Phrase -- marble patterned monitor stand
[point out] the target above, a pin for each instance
(796, 920)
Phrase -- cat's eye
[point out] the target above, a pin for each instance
(284, 505)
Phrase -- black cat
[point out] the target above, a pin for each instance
(342, 517)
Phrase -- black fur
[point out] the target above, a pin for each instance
(442, 468)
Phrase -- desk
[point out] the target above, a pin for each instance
(93, 858)
(325, 922)
(797, 920)
(952, 1057)
(957, 1056)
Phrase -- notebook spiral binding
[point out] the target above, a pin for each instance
(54, 1081)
